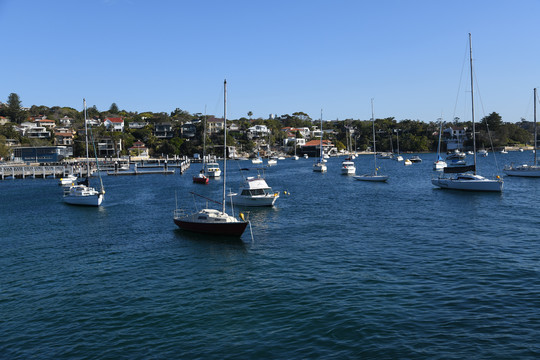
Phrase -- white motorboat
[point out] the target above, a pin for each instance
(306, 156)
(82, 193)
(415, 159)
(526, 170)
(254, 192)
(67, 180)
(272, 161)
(466, 180)
(483, 152)
(375, 176)
(213, 170)
(348, 168)
(407, 162)
(212, 221)
(456, 155)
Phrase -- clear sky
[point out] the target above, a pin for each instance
(279, 56)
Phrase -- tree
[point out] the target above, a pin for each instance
(14, 109)
(250, 114)
(113, 109)
(493, 120)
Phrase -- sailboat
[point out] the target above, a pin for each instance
(469, 180)
(257, 160)
(295, 157)
(82, 193)
(201, 178)
(320, 165)
(212, 221)
(439, 164)
(525, 169)
(398, 157)
(375, 176)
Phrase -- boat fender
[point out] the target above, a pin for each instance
(242, 217)
(276, 194)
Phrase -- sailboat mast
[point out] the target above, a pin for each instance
(224, 140)
(374, 146)
(472, 102)
(86, 140)
(535, 132)
(204, 141)
(321, 139)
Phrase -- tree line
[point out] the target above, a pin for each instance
(356, 135)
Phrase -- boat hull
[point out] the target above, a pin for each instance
(469, 185)
(373, 178)
(530, 171)
(89, 200)
(200, 180)
(224, 229)
(254, 201)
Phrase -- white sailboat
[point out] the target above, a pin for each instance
(526, 170)
(320, 165)
(201, 178)
(439, 164)
(212, 221)
(469, 180)
(82, 193)
(375, 176)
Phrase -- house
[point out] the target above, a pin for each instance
(234, 127)
(454, 137)
(304, 131)
(137, 124)
(42, 154)
(63, 137)
(46, 123)
(114, 124)
(258, 131)
(163, 131)
(139, 150)
(214, 125)
(107, 147)
(4, 120)
(66, 121)
(313, 148)
(37, 132)
(189, 130)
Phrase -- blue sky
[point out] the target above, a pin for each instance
(278, 56)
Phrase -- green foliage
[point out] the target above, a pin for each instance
(113, 109)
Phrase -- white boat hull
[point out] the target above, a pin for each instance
(261, 201)
(348, 171)
(439, 165)
(82, 195)
(373, 178)
(320, 167)
(479, 184)
(524, 171)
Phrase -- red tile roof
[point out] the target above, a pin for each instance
(115, 120)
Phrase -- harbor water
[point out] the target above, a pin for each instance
(338, 269)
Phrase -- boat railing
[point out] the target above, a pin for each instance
(179, 213)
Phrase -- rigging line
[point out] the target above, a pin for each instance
(493, 149)
(206, 198)
(465, 60)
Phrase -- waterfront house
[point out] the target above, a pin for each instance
(106, 146)
(63, 137)
(188, 130)
(313, 148)
(114, 123)
(257, 131)
(137, 124)
(139, 150)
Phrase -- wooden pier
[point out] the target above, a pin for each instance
(21, 171)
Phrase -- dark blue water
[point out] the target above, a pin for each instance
(338, 269)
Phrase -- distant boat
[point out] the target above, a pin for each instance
(254, 192)
(375, 176)
(67, 180)
(320, 165)
(348, 168)
(82, 193)
(212, 221)
(407, 162)
(213, 170)
(503, 151)
(201, 178)
(527, 170)
(456, 155)
(257, 160)
(469, 181)
(415, 159)
(483, 153)
(439, 164)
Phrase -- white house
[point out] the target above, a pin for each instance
(114, 124)
(258, 131)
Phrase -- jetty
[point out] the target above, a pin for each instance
(23, 171)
